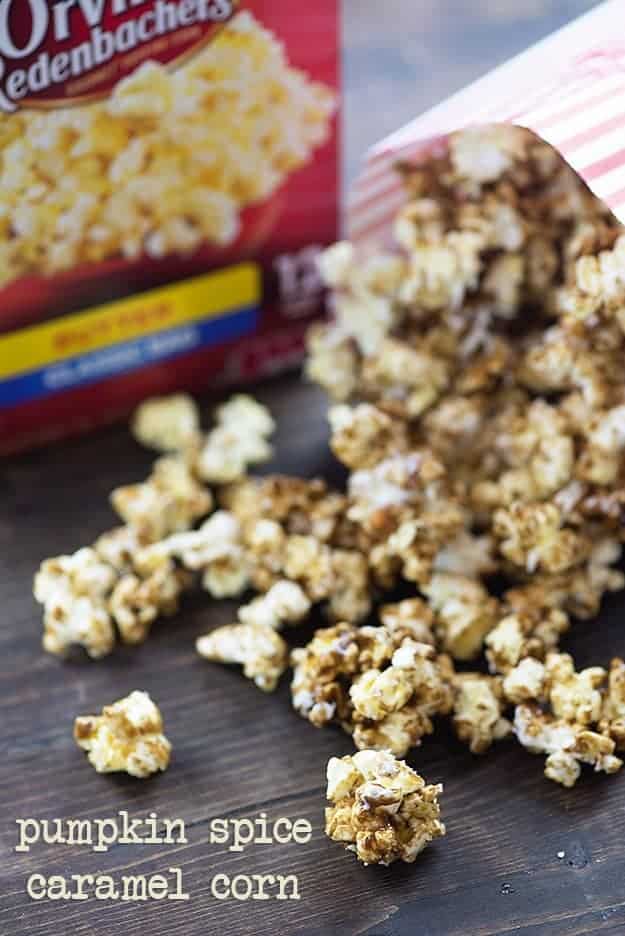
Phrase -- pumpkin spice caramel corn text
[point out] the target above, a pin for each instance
(101, 834)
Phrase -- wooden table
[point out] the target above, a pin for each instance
(522, 855)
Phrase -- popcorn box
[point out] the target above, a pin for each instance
(168, 174)
(569, 89)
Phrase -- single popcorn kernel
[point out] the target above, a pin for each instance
(567, 744)
(381, 809)
(533, 537)
(73, 591)
(363, 436)
(257, 647)
(135, 603)
(167, 424)
(215, 550)
(464, 613)
(170, 500)
(612, 721)
(574, 697)
(127, 736)
(284, 603)
(478, 711)
(240, 439)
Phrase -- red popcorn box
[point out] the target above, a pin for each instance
(168, 176)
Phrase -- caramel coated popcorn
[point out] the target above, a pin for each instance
(478, 711)
(169, 501)
(382, 684)
(381, 809)
(464, 613)
(612, 722)
(135, 603)
(167, 424)
(568, 745)
(73, 591)
(284, 603)
(214, 549)
(478, 408)
(239, 439)
(257, 647)
(127, 736)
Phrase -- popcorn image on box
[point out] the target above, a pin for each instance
(168, 174)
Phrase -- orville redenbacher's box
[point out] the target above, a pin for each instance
(168, 173)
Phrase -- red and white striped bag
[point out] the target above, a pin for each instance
(569, 89)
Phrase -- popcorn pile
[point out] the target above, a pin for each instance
(479, 407)
(138, 572)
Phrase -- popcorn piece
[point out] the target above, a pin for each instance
(365, 293)
(301, 506)
(402, 504)
(332, 361)
(568, 745)
(375, 695)
(599, 284)
(338, 575)
(411, 617)
(534, 538)
(136, 603)
(403, 378)
(265, 546)
(381, 809)
(82, 573)
(612, 722)
(238, 441)
(363, 435)
(392, 485)
(540, 454)
(167, 424)
(261, 651)
(215, 549)
(69, 620)
(127, 736)
(528, 633)
(170, 500)
(73, 591)
(118, 547)
(467, 555)
(393, 709)
(602, 460)
(464, 613)
(557, 361)
(483, 154)
(574, 697)
(323, 669)
(478, 711)
(525, 681)
(247, 413)
(284, 603)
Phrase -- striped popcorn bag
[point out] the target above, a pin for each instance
(577, 104)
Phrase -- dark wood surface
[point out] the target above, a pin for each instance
(238, 752)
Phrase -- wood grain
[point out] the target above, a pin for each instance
(238, 752)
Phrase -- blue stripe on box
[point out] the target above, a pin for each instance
(126, 356)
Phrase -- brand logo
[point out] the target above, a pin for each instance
(57, 53)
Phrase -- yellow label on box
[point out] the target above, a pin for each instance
(204, 298)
